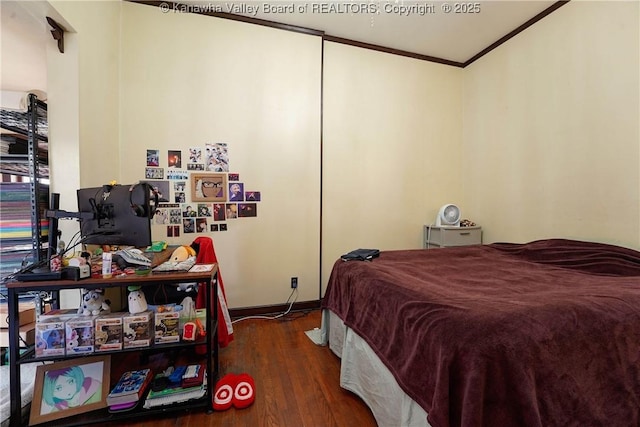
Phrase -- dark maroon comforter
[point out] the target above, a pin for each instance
(539, 334)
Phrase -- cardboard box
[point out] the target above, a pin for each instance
(50, 337)
(27, 333)
(108, 332)
(59, 313)
(201, 315)
(26, 314)
(79, 335)
(137, 329)
(167, 327)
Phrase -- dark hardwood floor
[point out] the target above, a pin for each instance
(297, 382)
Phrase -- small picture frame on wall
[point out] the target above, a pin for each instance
(208, 187)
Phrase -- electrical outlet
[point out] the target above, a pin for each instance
(294, 282)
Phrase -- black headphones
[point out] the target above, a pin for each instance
(151, 205)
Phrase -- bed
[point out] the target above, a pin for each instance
(545, 333)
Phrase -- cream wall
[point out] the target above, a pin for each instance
(23, 49)
(83, 108)
(93, 59)
(551, 137)
(546, 123)
(189, 79)
(392, 145)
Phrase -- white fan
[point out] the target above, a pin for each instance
(448, 216)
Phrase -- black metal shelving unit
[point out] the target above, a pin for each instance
(25, 139)
(189, 348)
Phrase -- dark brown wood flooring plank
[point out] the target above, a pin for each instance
(297, 382)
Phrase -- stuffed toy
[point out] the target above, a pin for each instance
(137, 300)
(94, 303)
(188, 308)
(182, 253)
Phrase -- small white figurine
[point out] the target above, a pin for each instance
(137, 300)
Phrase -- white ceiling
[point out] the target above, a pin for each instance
(451, 36)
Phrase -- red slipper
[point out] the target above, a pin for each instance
(245, 391)
(223, 393)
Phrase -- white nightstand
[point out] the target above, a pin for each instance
(442, 237)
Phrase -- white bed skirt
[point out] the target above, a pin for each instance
(27, 376)
(364, 374)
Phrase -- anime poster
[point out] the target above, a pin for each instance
(208, 187)
(70, 387)
(216, 157)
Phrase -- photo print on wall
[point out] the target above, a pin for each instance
(174, 159)
(181, 175)
(175, 216)
(201, 225)
(160, 187)
(195, 159)
(204, 209)
(173, 231)
(189, 225)
(232, 210)
(180, 197)
(216, 157)
(236, 192)
(188, 211)
(161, 217)
(252, 196)
(194, 198)
(195, 155)
(247, 210)
(153, 158)
(154, 173)
(218, 212)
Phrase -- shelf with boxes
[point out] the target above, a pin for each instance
(24, 166)
(65, 332)
(121, 335)
(26, 323)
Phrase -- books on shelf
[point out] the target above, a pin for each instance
(130, 387)
(175, 395)
(177, 392)
(193, 376)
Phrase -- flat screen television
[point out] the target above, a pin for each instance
(121, 214)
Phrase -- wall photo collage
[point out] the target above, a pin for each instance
(198, 195)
